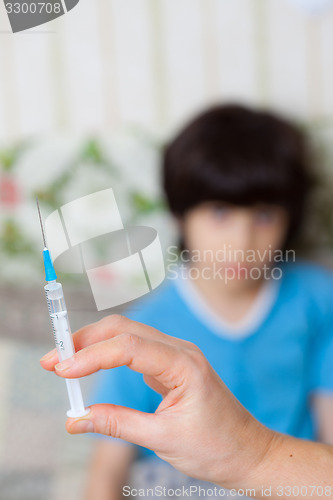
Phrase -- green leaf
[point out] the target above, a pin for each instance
(143, 204)
(13, 241)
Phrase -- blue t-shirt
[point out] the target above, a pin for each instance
(272, 370)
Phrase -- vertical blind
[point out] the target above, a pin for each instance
(150, 63)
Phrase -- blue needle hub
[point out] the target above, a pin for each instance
(50, 274)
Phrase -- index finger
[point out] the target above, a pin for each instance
(108, 328)
(112, 326)
(166, 363)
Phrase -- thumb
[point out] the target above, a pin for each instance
(120, 422)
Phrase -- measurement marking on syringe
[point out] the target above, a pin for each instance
(50, 311)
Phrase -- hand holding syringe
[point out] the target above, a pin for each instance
(61, 329)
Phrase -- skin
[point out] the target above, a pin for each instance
(323, 410)
(108, 470)
(199, 427)
(212, 226)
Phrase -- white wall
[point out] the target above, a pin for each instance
(112, 63)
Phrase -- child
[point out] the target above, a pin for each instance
(237, 181)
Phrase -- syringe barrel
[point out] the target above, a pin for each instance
(59, 319)
(64, 343)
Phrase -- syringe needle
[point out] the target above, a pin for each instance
(41, 223)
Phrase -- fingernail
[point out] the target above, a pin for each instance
(64, 365)
(49, 355)
(82, 426)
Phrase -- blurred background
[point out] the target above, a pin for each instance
(86, 102)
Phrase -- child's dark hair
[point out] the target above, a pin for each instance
(241, 156)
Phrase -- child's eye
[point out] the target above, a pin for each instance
(220, 211)
(265, 215)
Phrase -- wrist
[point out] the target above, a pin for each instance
(267, 456)
(258, 448)
(293, 461)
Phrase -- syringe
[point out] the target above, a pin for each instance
(61, 329)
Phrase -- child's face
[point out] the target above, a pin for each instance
(239, 238)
